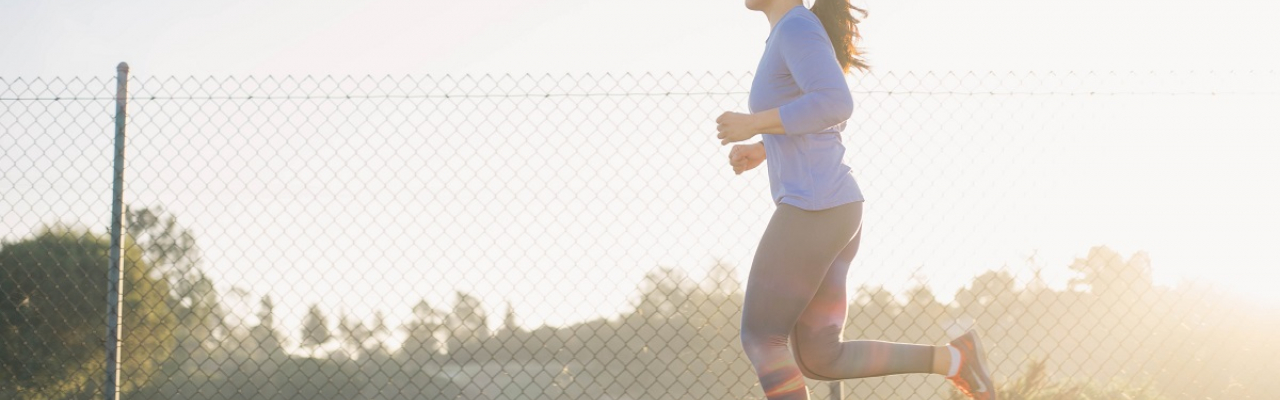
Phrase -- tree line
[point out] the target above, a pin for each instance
(1110, 327)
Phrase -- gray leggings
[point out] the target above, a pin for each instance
(796, 293)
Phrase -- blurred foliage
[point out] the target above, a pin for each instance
(53, 293)
(1110, 333)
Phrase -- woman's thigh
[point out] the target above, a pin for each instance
(792, 262)
(830, 304)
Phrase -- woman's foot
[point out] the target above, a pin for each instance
(971, 377)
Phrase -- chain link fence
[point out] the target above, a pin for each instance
(583, 237)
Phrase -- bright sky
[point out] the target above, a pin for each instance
(1188, 198)
(375, 37)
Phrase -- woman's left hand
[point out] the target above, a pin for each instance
(734, 127)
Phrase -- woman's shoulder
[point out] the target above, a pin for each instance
(800, 25)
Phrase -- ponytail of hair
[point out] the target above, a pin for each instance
(842, 26)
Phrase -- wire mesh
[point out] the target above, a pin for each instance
(583, 237)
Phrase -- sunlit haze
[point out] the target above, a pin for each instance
(1140, 172)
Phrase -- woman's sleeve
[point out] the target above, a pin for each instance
(810, 58)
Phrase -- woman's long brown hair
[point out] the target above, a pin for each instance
(842, 26)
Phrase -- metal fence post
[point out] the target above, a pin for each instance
(111, 389)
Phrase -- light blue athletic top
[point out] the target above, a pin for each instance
(799, 73)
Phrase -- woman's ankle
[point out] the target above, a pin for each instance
(941, 360)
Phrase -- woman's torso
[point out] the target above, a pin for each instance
(805, 170)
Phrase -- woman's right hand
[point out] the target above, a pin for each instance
(744, 157)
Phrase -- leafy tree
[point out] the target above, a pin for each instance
(168, 247)
(201, 325)
(267, 341)
(467, 326)
(266, 313)
(1108, 275)
(362, 340)
(662, 292)
(872, 312)
(509, 320)
(172, 252)
(988, 288)
(723, 279)
(52, 306)
(422, 344)
(378, 333)
(315, 328)
(922, 315)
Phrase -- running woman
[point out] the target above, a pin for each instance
(799, 104)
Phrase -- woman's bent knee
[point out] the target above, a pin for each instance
(815, 358)
(817, 354)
